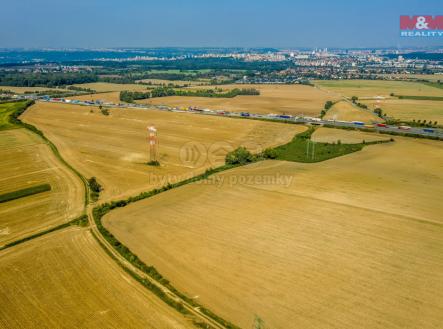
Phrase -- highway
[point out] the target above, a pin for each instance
(382, 128)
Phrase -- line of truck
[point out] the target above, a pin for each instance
(434, 132)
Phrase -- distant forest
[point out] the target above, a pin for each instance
(20, 75)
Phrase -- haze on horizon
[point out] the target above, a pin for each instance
(199, 23)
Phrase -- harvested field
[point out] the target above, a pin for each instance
(278, 99)
(345, 111)
(27, 161)
(331, 135)
(105, 87)
(409, 109)
(114, 148)
(65, 280)
(22, 90)
(374, 88)
(352, 242)
(110, 97)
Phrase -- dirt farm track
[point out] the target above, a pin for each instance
(28, 161)
(350, 242)
(65, 280)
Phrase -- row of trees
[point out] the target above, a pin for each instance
(216, 93)
(424, 123)
(86, 90)
(130, 96)
(327, 107)
(50, 80)
(241, 156)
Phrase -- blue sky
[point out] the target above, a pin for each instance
(203, 23)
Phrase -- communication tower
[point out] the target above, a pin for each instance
(153, 144)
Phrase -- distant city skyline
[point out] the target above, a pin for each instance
(198, 23)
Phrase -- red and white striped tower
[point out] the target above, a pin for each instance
(152, 141)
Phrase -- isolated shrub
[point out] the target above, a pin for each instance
(379, 112)
(94, 185)
(328, 105)
(239, 156)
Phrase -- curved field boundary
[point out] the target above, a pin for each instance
(158, 290)
(99, 211)
(153, 280)
(150, 271)
(174, 299)
(14, 119)
(185, 303)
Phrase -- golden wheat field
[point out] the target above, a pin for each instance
(65, 280)
(107, 97)
(27, 161)
(277, 99)
(105, 86)
(353, 242)
(374, 88)
(114, 148)
(345, 111)
(409, 109)
(331, 135)
(22, 90)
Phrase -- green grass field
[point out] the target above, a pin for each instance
(412, 77)
(302, 149)
(184, 72)
(381, 88)
(6, 110)
(24, 192)
(422, 98)
(435, 84)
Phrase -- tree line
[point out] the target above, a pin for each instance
(50, 80)
(131, 96)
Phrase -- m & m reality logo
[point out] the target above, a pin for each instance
(421, 26)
